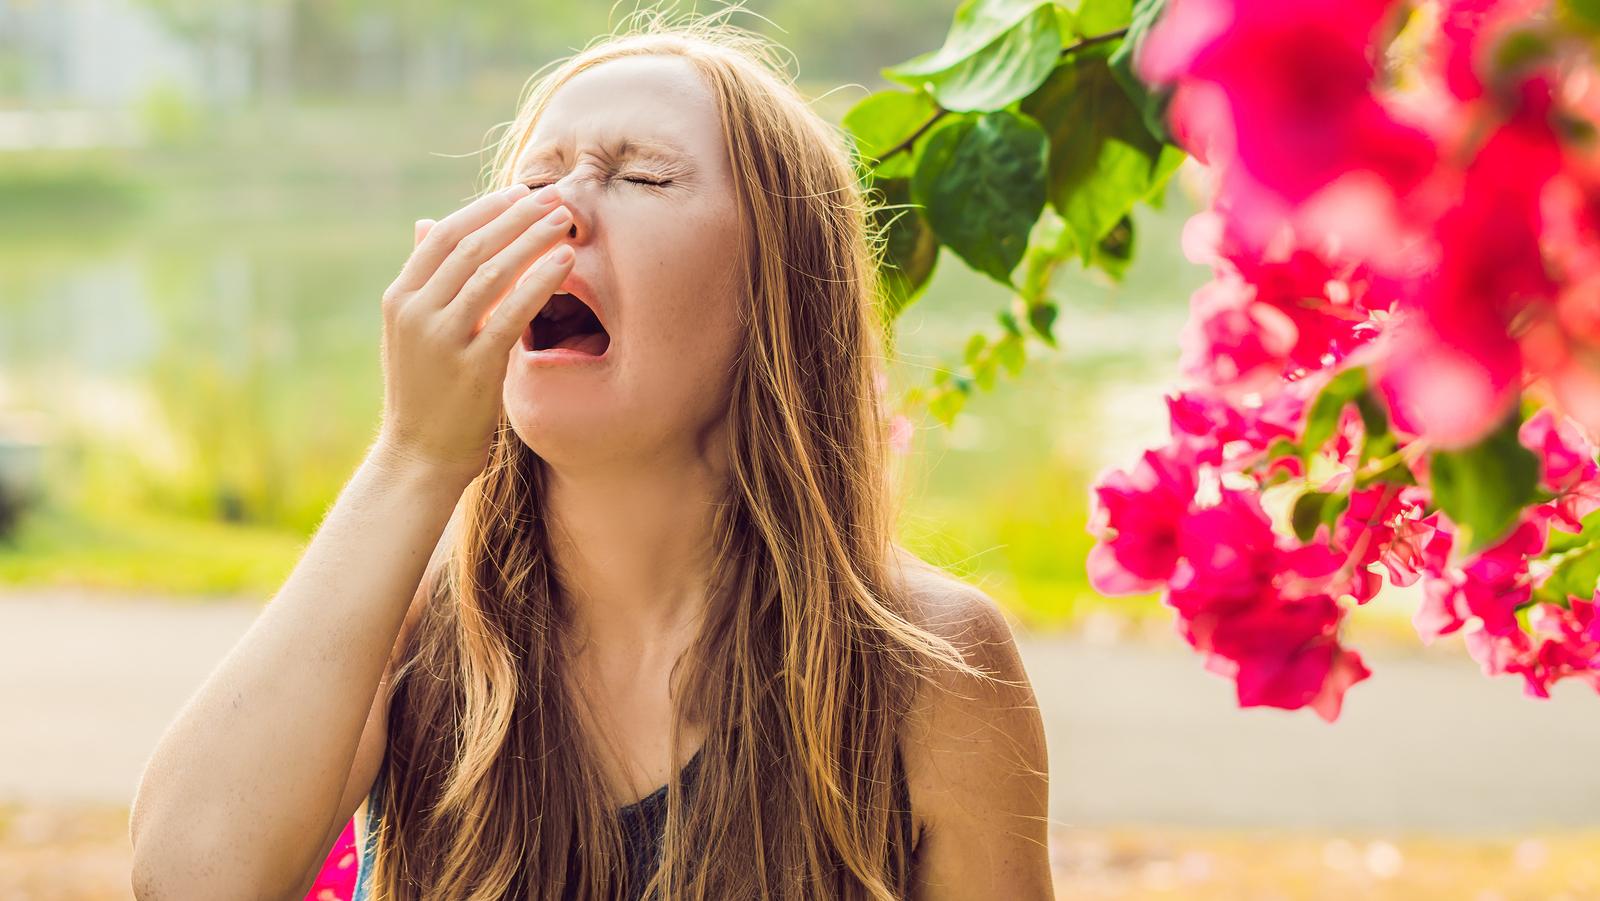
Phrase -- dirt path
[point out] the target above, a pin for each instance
(1138, 734)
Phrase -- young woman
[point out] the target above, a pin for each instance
(612, 608)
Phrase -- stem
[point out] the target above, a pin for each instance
(940, 112)
(1407, 455)
(921, 130)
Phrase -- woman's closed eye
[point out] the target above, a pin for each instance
(635, 179)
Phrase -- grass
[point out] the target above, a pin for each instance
(137, 552)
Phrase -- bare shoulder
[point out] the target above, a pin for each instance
(956, 611)
(974, 749)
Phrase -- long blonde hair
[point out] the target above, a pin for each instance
(810, 656)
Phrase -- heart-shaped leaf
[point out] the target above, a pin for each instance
(981, 179)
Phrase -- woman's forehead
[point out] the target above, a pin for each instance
(631, 88)
(634, 107)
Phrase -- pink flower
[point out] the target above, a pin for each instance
(1228, 552)
(1490, 585)
(1210, 430)
(1565, 644)
(1568, 467)
(1287, 655)
(1253, 608)
(1326, 328)
(1452, 393)
(1267, 317)
(1467, 29)
(1443, 232)
(1284, 90)
(1385, 523)
(1136, 516)
(1232, 342)
(1456, 369)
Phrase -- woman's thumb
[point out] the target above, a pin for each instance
(422, 227)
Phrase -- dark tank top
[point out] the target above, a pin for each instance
(643, 823)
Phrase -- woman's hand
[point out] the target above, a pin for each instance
(451, 317)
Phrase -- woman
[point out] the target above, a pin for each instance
(665, 646)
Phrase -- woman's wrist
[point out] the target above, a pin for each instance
(407, 467)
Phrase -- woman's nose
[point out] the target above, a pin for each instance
(574, 197)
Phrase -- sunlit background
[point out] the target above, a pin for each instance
(200, 204)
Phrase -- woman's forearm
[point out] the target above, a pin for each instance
(250, 772)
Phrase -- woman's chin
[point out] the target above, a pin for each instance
(572, 424)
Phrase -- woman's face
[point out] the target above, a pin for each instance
(656, 261)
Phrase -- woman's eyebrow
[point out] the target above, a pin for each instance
(613, 151)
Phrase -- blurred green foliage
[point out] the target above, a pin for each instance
(200, 314)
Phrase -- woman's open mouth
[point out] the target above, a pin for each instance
(566, 323)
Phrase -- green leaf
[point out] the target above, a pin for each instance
(1151, 101)
(1316, 508)
(1010, 352)
(1114, 251)
(1323, 418)
(1100, 16)
(910, 249)
(1050, 243)
(975, 346)
(1586, 12)
(1281, 447)
(1484, 487)
(981, 179)
(1561, 541)
(948, 395)
(1379, 443)
(1102, 158)
(1043, 318)
(996, 53)
(983, 372)
(1008, 321)
(1575, 572)
(1066, 22)
(946, 405)
(882, 122)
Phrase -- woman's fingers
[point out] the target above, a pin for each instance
(443, 237)
(491, 280)
(506, 323)
(478, 250)
(422, 227)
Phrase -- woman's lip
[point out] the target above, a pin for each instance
(563, 356)
(575, 285)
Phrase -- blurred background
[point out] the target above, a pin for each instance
(200, 204)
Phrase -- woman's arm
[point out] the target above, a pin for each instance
(975, 753)
(240, 791)
(245, 785)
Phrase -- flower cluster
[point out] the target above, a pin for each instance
(1402, 334)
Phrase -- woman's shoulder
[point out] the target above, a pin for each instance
(974, 746)
(955, 610)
